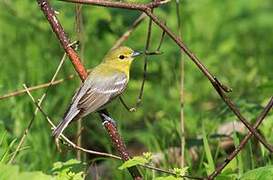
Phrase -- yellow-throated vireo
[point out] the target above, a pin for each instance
(104, 83)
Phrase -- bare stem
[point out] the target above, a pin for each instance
(149, 32)
(80, 37)
(182, 78)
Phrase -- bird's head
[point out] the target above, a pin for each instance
(123, 55)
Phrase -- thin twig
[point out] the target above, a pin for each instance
(147, 46)
(79, 32)
(118, 4)
(243, 142)
(182, 77)
(22, 140)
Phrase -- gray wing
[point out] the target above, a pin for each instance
(101, 91)
(92, 95)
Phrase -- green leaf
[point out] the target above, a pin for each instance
(262, 173)
(210, 165)
(8, 172)
(167, 178)
(71, 169)
(137, 160)
(35, 175)
(180, 171)
(5, 155)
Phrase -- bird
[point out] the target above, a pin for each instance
(104, 83)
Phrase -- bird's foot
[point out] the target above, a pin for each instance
(107, 119)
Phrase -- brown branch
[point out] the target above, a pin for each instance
(243, 142)
(37, 87)
(220, 88)
(237, 112)
(118, 4)
(59, 31)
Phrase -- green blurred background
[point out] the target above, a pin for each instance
(234, 39)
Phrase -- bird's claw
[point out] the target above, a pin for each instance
(107, 119)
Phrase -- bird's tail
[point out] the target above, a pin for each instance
(71, 115)
(59, 129)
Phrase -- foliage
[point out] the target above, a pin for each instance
(12, 172)
(259, 173)
(72, 170)
(137, 160)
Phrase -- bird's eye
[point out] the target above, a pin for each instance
(121, 57)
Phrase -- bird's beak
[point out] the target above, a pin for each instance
(136, 53)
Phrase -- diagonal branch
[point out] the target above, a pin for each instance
(243, 142)
(59, 31)
(118, 4)
(73, 56)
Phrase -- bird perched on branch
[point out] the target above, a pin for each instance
(104, 83)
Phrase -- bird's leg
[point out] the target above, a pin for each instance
(130, 109)
(106, 118)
